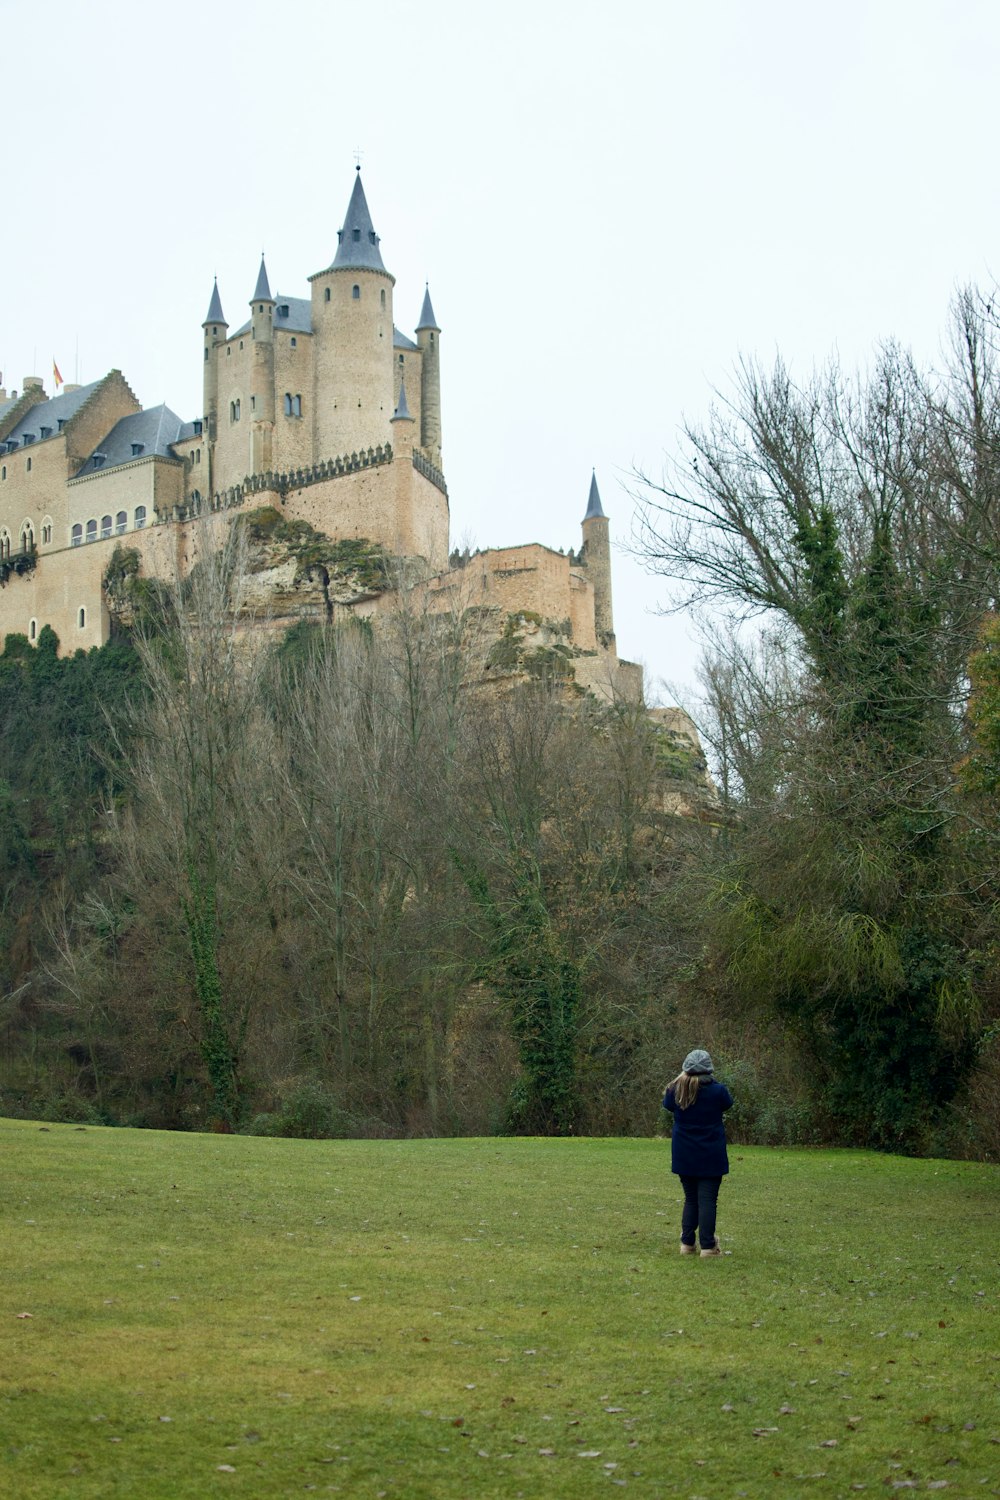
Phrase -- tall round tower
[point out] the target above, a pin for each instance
(596, 559)
(429, 340)
(353, 397)
(262, 374)
(214, 335)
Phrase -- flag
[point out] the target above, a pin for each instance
(55, 374)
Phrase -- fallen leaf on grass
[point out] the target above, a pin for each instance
(763, 1431)
(786, 1411)
(589, 1453)
(25, 1315)
(547, 1452)
(829, 1443)
(225, 1468)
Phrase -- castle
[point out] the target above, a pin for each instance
(316, 408)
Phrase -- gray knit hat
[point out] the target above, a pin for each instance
(698, 1062)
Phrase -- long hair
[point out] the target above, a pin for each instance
(685, 1088)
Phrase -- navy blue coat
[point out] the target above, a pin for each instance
(698, 1144)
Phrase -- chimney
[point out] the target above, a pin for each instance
(32, 382)
(67, 388)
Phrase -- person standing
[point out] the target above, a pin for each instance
(698, 1148)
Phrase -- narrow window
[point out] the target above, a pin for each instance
(288, 404)
(76, 536)
(400, 359)
(121, 522)
(27, 539)
(28, 465)
(356, 293)
(105, 526)
(140, 517)
(326, 295)
(32, 629)
(3, 472)
(241, 343)
(206, 356)
(253, 403)
(46, 535)
(91, 531)
(356, 236)
(237, 408)
(295, 343)
(82, 617)
(296, 406)
(383, 296)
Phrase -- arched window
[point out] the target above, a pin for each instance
(46, 532)
(140, 517)
(296, 406)
(32, 629)
(28, 466)
(288, 403)
(383, 296)
(355, 293)
(81, 618)
(4, 544)
(27, 537)
(105, 526)
(91, 531)
(234, 410)
(121, 522)
(3, 472)
(76, 535)
(326, 295)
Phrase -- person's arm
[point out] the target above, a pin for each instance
(727, 1098)
(669, 1102)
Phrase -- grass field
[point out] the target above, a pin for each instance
(201, 1316)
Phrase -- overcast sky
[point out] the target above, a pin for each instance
(611, 203)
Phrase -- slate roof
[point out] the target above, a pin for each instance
(50, 414)
(402, 412)
(357, 247)
(215, 313)
(427, 318)
(153, 431)
(594, 507)
(5, 406)
(261, 292)
(400, 341)
(298, 318)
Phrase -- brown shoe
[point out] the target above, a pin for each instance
(715, 1250)
(688, 1249)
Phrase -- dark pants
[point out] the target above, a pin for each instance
(701, 1195)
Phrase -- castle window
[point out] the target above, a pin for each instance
(105, 526)
(326, 295)
(371, 237)
(137, 448)
(45, 432)
(140, 517)
(206, 356)
(234, 411)
(253, 403)
(60, 423)
(91, 531)
(3, 472)
(288, 404)
(121, 522)
(27, 537)
(99, 460)
(28, 466)
(295, 343)
(198, 426)
(356, 236)
(32, 630)
(46, 533)
(356, 293)
(76, 536)
(400, 359)
(197, 455)
(4, 545)
(229, 351)
(283, 310)
(296, 406)
(383, 296)
(81, 618)
(241, 343)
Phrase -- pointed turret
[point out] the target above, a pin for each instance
(357, 242)
(402, 412)
(214, 330)
(596, 558)
(594, 506)
(262, 291)
(427, 318)
(429, 339)
(215, 314)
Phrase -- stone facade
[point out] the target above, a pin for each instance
(317, 408)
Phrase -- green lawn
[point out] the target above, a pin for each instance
(223, 1316)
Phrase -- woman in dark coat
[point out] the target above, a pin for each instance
(698, 1148)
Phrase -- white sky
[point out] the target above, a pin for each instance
(611, 203)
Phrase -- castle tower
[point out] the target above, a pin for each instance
(403, 433)
(262, 374)
(429, 338)
(596, 558)
(214, 335)
(353, 396)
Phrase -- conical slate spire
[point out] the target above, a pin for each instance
(594, 507)
(427, 318)
(357, 242)
(262, 292)
(402, 412)
(214, 314)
